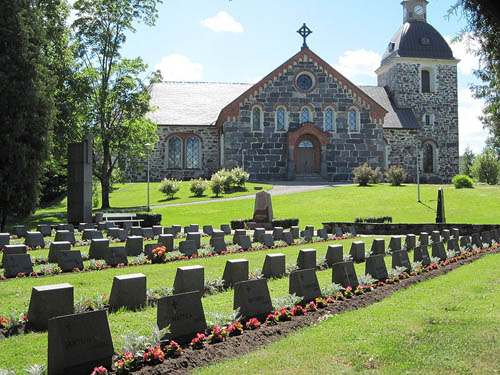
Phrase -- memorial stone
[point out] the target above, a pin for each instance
(338, 232)
(421, 254)
(169, 230)
(134, 245)
(440, 215)
(310, 229)
(226, 229)
(122, 234)
(167, 240)
(295, 232)
(378, 246)
(288, 237)
(263, 210)
(148, 249)
(236, 270)
(188, 248)
(494, 234)
(137, 231)
(376, 268)
(70, 260)
(13, 250)
(322, 233)
(65, 235)
(116, 255)
(189, 279)
(455, 233)
(267, 240)
(476, 240)
(128, 291)
(485, 237)
(306, 259)
(274, 266)
(400, 259)
(304, 283)
(208, 229)
(157, 230)
(4, 240)
(34, 239)
(438, 251)
(395, 243)
(424, 239)
(306, 235)
(237, 234)
(352, 230)
(453, 245)
(358, 251)
(344, 274)
(465, 242)
(278, 234)
(14, 264)
(252, 298)
(98, 248)
(68, 227)
(194, 228)
(244, 242)
(83, 226)
(91, 234)
(258, 234)
(147, 232)
(195, 237)
(44, 229)
(177, 229)
(217, 233)
(334, 254)
(435, 236)
(411, 242)
(55, 248)
(19, 231)
(49, 301)
(218, 244)
(446, 234)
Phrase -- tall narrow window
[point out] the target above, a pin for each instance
(426, 81)
(428, 159)
(256, 118)
(193, 153)
(280, 119)
(175, 153)
(305, 115)
(353, 120)
(329, 119)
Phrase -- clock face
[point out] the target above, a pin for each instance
(419, 9)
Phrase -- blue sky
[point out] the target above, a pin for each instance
(243, 40)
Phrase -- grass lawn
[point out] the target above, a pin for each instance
(447, 325)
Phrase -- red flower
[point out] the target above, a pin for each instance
(253, 324)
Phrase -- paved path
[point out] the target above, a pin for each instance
(280, 188)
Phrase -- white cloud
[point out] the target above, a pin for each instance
(177, 67)
(223, 22)
(465, 51)
(358, 63)
(471, 129)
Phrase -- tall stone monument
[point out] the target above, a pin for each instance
(263, 211)
(440, 216)
(80, 181)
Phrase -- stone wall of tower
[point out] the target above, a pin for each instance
(402, 150)
(402, 79)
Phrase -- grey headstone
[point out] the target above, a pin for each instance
(147, 232)
(167, 240)
(494, 234)
(424, 238)
(91, 234)
(375, 267)
(236, 270)
(137, 231)
(49, 301)
(194, 228)
(98, 248)
(435, 236)
(304, 283)
(352, 230)
(485, 237)
(334, 254)
(411, 242)
(274, 265)
(44, 229)
(177, 229)
(455, 232)
(157, 230)
(217, 233)
(188, 248)
(358, 251)
(69, 260)
(237, 234)
(267, 240)
(101, 225)
(344, 274)
(395, 243)
(127, 225)
(208, 229)
(68, 227)
(400, 259)
(310, 229)
(184, 314)
(83, 226)
(169, 230)
(225, 228)
(378, 246)
(446, 234)
(196, 237)
(288, 237)
(4, 240)
(55, 248)
(306, 234)
(465, 242)
(476, 240)
(19, 231)
(263, 209)
(438, 251)
(322, 233)
(453, 245)
(421, 254)
(338, 232)
(306, 259)
(128, 291)
(189, 279)
(252, 298)
(148, 249)
(134, 245)
(278, 234)
(17, 263)
(78, 343)
(244, 242)
(295, 232)
(65, 235)
(258, 234)
(118, 233)
(13, 250)
(116, 255)
(219, 244)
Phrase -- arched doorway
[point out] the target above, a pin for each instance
(308, 154)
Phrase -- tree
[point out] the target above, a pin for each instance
(26, 107)
(486, 167)
(118, 100)
(467, 161)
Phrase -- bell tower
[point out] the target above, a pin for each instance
(414, 10)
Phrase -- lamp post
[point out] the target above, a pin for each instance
(148, 147)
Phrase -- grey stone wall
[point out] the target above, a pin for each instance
(402, 150)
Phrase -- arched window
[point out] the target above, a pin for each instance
(256, 118)
(193, 153)
(429, 159)
(306, 144)
(281, 119)
(305, 115)
(426, 80)
(175, 152)
(429, 119)
(329, 120)
(353, 120)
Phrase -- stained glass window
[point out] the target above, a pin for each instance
(305, 115)
(353, 120)
(193, 152)
(280, 119)
(304, 82)
(306, 144)
(428, 158)
(256, 118)
(175, 153)
(329, 119)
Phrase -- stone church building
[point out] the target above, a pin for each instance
(306, 120)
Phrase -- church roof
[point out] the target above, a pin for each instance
(420, 40)
(191, 103)
(396, 118)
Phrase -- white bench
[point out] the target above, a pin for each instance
(122, 218)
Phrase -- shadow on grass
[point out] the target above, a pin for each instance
(169, 199)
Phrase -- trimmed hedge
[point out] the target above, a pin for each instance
(381, 219)
(150, 219)
(284, 223)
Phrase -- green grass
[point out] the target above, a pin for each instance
(448, 325)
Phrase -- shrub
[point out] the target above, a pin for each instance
(239, 223)
(377, 176)
(462, 181)
(285, 223)
(239, 176)
(395, 175)
(381, 219)
(169, 187)
(198, 187)
(363, 175)
(149, 219)
(226, 179)
(217, 184)
(486, 167)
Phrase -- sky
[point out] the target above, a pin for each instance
(244, 40)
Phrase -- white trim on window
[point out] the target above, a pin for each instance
(350, 112)
(311, 114)
(197, 162)
(285, 118)
(180, 150)
(261, 119)
(435, 151)
(333, 119)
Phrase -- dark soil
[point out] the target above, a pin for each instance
(252, 340)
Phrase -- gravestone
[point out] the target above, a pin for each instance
(267, 240)
(446, 234)
(485, 237)
(421, 254)
(424, 239)
(236, 270)
(494, 234)
(411, 242)
(395, 243)
(83, 226)
(278, 234)
(128, 291)
(306, 235)
(440, 215)
(116, 255)
(288, 237)
(196, 237)
(304, 283)
(453, 245)
(14, 264)
(476, 240)
(455, 233)
(465, 241)
(376, 268)
(4, 240)
(263, 210)
(237, 234)
(65, 235)
(322, 233)
(258, 234)
(352, 230)
(435, 236)
(49, 301)
(274, 266)
(358, 251)
(79, 207)
(75, 349)
(13, 249)
(226, 228)
(217, 233)
(134, 245)
(338, 232)
(69, 260)
(19, 231)
(310, 229)
(208, 229)
(344, 274)
(91, 234)
(252, 298)
(177, 229)
(189, 279)
(295, 232)
(194, 228)
(169, 230)
(188, 248)
(244, 242)
(400, 259)
(306, 259)
(102, 225)
(148, 249)
(438, 251)
(44, 229)
(113, 233)
(98, 248)
(137, 231)
(55, 248)
(334, 254)
(167, 240)
(378, 246)
(218, 244)
(147, 232)
(184, 314)
(157, 230)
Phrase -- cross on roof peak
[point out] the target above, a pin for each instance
(304, 32)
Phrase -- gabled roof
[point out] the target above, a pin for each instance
(191, 103)
(231, 111)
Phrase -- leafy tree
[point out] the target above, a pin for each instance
(486, 167)
(118, 99)
(467, 161)
(26, 107)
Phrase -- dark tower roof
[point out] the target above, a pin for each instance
(417, 39)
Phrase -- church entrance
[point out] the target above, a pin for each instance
(305, 157)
